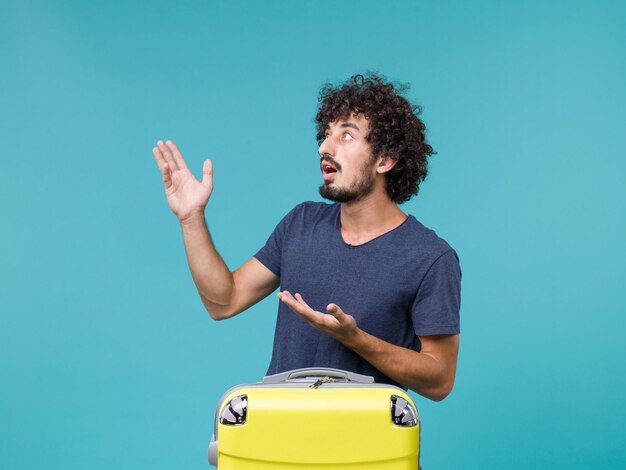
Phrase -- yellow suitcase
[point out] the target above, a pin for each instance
(316, 419)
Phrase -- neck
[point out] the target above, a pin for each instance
(370, 217)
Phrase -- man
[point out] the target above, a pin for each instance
(364, 287)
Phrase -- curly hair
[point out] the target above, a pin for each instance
(395, 128)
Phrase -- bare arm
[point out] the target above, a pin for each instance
(223, 293)
(429, 372)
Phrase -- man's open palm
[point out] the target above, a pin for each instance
(185, 194)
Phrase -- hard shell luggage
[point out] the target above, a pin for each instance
(316, 419)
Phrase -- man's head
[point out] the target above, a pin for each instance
(347, 162)
(367, 115)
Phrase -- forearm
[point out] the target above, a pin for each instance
(419, 371)
(429, 372)
(212, 277)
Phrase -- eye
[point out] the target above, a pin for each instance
(347, 136)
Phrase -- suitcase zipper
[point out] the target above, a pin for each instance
(319, 382)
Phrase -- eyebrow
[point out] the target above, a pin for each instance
(344, 125)
(349, 124)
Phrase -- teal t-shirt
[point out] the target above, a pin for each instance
(403, 284)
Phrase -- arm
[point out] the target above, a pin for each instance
(430, 372)
(224, 294)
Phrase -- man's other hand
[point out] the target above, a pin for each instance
(338, 324)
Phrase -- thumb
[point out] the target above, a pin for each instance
(207, 173)
(334, 310)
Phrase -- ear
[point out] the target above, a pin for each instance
(385, 164)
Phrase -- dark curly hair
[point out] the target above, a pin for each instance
(395, 128)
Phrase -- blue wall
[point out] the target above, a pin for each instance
(107, 359)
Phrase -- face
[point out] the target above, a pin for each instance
(346, 160)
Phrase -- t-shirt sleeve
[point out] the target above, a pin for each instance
(270, 254)
(435, 310)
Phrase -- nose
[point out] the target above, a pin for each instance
(326, 147)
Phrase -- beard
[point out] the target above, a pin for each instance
(361, 188)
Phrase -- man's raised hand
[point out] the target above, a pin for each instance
(185, 194)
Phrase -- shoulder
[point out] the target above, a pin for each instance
(426, 240)
(310, 210)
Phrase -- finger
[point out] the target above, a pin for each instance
(178, 157)
(286, 296)
(158, 156)
(163, 166)
(294, 301)
(301, 301)
(294, 305)
(167, 155)
(207, 173)
(167, 175)
(298, 305)
(335, 310)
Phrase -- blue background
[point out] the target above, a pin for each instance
(108, 359)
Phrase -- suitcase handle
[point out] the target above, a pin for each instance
(317, 372)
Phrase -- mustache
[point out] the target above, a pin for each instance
(327, 159)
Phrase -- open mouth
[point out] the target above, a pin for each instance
(328, 169)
